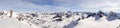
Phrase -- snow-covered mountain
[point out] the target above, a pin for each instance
(10, 19)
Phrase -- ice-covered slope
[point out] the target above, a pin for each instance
(58, 20)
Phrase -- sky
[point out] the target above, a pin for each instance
(60, 5)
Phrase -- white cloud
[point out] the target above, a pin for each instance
(64, 5)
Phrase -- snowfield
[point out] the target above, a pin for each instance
(59, 20)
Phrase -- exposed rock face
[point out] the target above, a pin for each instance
(58, 15)
(118, 26)
(89, 15)
(11, 13)
(112, 16)
(58, 19)
(72, 24)
(99, 15)
(1, 13)
(34, 15)
(68, 15)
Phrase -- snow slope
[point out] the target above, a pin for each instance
(57, 20)
(8, 22)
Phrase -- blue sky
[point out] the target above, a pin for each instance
(60, 5)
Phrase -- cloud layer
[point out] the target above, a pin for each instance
(61, 5)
